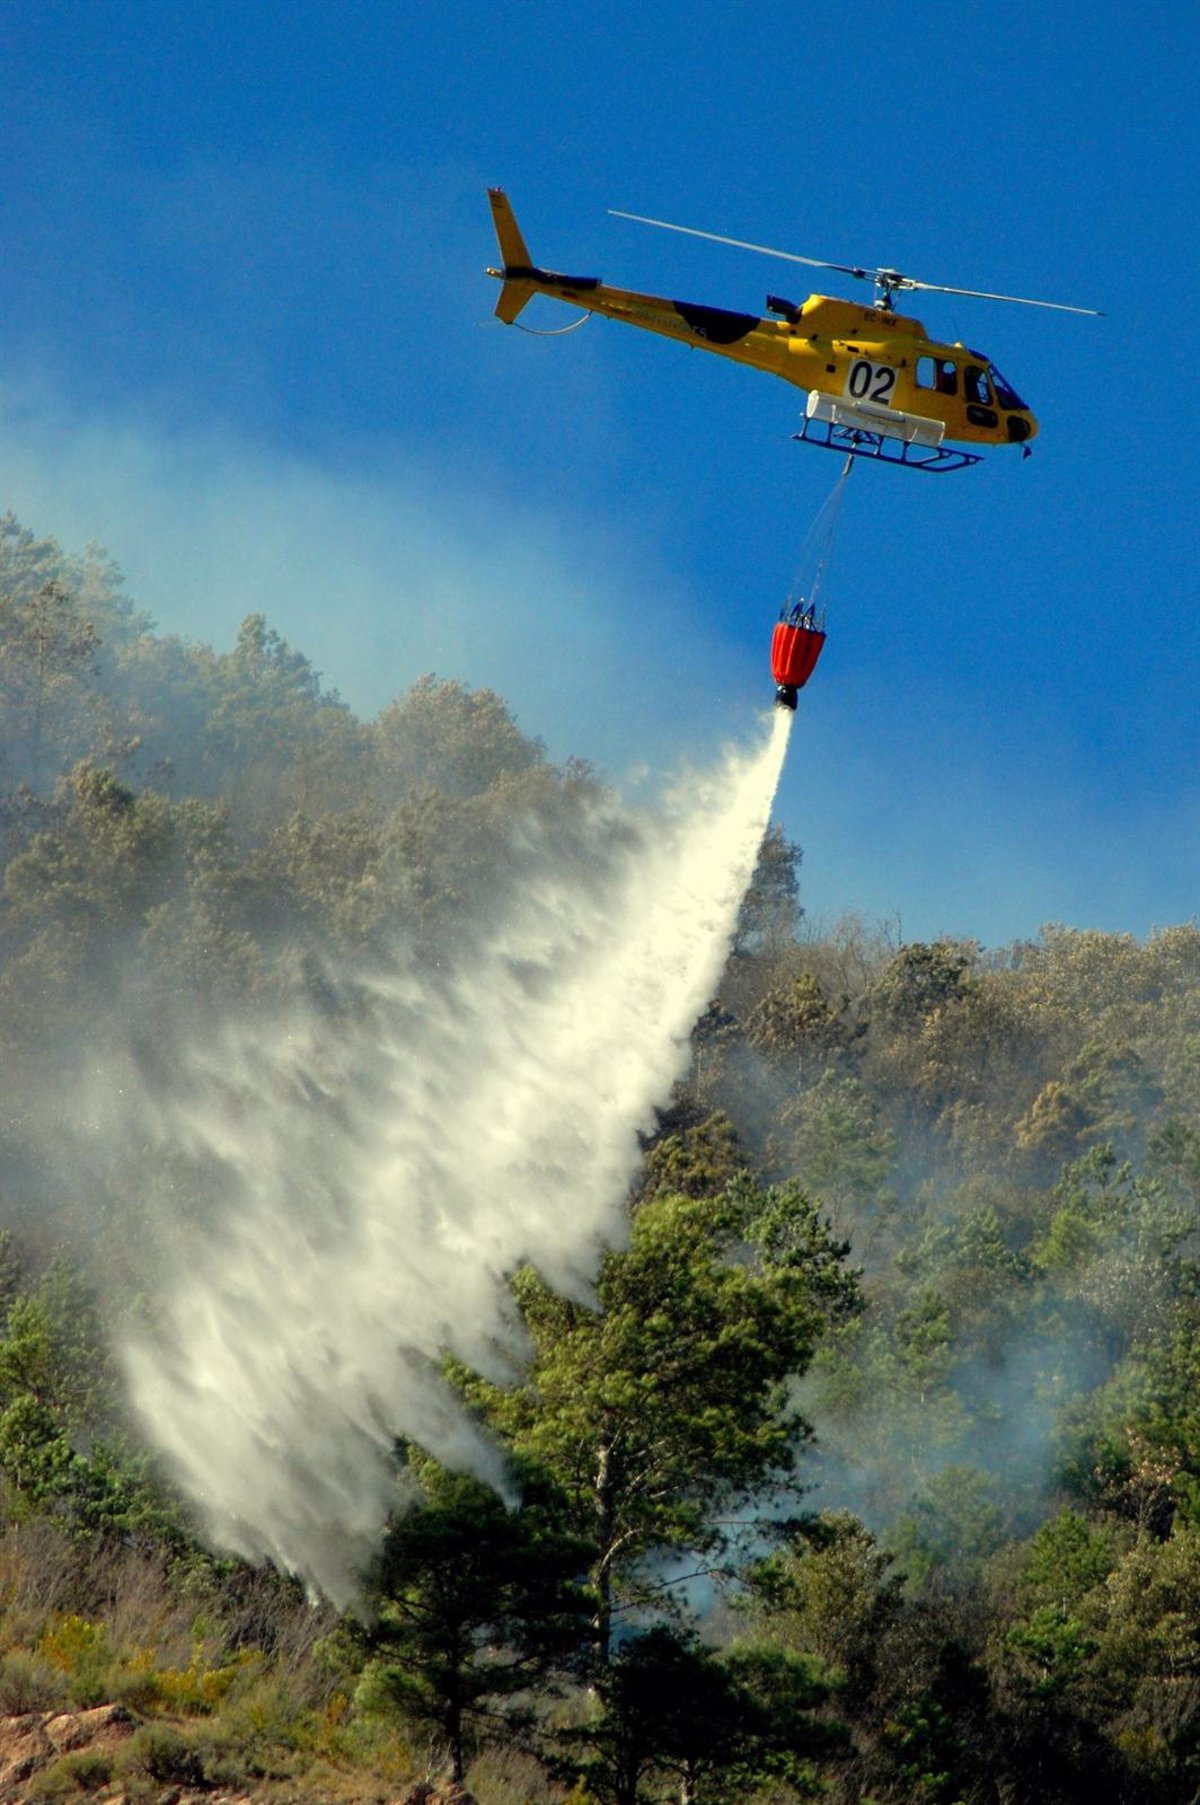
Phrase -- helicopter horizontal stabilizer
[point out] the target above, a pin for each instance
(513, 297)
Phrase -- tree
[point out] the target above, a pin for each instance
(1137, 1440)
(659, 1413)
(448, 737)
(715, 1727)
(476, 1602)
(270, 740)
(794, 1022)
(832, 1139)
(1111, 1248)
(955, 1523)
(829, 1593)
(1104, 1093)
(770, 911)
(59, 1455)
(919, 980)
(46, 647)
(697, 1158)
(1144, 1675)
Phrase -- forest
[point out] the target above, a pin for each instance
(869, 1470)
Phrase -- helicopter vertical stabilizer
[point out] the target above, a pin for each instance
(514, 255)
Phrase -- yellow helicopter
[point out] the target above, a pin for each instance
(878, 385)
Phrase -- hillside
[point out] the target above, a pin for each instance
(863, 1463)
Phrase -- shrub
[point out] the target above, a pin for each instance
(29, 1682)
(510, 1776)
(161, 1753)
(81, 1650)
(84, 1771)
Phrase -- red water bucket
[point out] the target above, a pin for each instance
(794, 654)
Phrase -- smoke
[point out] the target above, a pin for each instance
(376, 1167)
(443, 563)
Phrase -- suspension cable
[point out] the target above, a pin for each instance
(817, 550)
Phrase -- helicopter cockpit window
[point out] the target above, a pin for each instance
(1006, 395)
(937, 373)
(977, 386)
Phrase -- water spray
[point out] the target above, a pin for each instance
(376, 1174)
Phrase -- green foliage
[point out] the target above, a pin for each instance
(447, 737)
(29, 1682)
(834, 1140)
(1067, 1557)
(80, 1649)
(57, 1391)
(708, 1727)
(160, 1752)
(830, 1593)
(919, 980)
(52, 1381)
(770, 911)
(1008, 1142)
(658, 1412)
(698, 1160)
(475, 1601)
(70, 1777)
(1105, 1094)
(955, 1524)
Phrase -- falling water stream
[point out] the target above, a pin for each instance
(375, 1177)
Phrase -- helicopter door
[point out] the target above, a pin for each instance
(939, 374)
(937, 378)
(981, 399)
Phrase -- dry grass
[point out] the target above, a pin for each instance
(504, 1776)
(240, 1681)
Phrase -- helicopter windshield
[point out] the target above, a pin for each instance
(1006, 395)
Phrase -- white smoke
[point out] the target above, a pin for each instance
(381, 1169)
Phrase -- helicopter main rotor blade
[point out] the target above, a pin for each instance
(886, 279)
(983, 294)
(741, 244)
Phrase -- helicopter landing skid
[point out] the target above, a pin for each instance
(856, 442)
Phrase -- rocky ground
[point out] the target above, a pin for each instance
(60, 1757)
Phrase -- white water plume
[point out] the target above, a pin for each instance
(379, 1169)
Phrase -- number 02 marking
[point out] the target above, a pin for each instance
(871, 382)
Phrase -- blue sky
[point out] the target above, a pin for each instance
(245, 342)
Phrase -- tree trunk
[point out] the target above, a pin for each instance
(454, 1738)
(604, 1541)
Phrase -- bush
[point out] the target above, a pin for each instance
(29, 1682)
(161, 1753)
(258, 1735)
(81, 1650)
(509, 1776)
(87, 1770)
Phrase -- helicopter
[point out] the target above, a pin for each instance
(877, 385)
